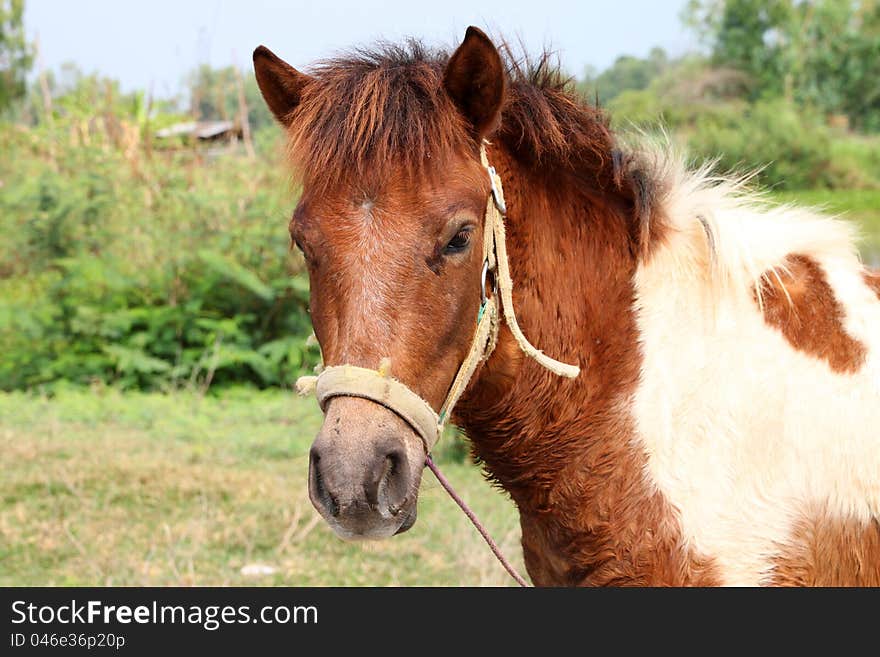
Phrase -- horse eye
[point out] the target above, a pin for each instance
(459, 243)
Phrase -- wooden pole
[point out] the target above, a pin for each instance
(48, 110)
(44, 82)
(243, 111)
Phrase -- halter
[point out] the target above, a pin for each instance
(379, 386)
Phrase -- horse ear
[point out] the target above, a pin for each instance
(474, 78)
(280, 83)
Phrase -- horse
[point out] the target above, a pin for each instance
(721, 423)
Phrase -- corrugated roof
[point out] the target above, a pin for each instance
(197, 129)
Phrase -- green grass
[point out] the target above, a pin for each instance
(104, 488)
(860, 206)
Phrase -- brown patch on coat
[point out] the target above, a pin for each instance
(872, 279)
(565, 449)
(827, 551)
(799, 302)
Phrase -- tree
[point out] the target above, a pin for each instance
(821, 53)
(628, 73)
(16, 54)
(838, 65)
(752, 36)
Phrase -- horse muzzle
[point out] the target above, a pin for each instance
(364, 470)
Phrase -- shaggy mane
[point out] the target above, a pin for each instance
(386, 106)
(376, 112)
(373, 110)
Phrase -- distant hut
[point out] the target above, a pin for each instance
(213, 133)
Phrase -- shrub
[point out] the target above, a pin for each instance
(145, 270)
(791, 147)
(855, 162)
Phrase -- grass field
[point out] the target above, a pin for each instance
(104, 488)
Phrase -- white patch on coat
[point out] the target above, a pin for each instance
(744, 433)
(365, 271)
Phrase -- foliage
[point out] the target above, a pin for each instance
(213, 95)
(855, 163)
(824, 54)
(791, 151)
(722, 113)
(628, 73)
(790, 147)
(689, 88)
(16, 54)
(149, 269)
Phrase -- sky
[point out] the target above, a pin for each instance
(153, 44)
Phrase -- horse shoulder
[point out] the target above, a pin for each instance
(755, 403)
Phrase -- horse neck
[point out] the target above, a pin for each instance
(572, 268)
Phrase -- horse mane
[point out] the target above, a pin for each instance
(373, 113)
(731, 235)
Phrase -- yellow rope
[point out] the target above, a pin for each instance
(482, 347)
(495, 226)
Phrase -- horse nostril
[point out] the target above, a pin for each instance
(393, 461)
(392, 469)
(319, 490)
(386, 488)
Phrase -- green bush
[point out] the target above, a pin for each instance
(640, 107)
(791, 148)
(157, 270)
(855, 162)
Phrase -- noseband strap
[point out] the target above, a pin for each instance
(377, 386)
(380, 387)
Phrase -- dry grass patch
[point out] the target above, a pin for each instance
(104, 488)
